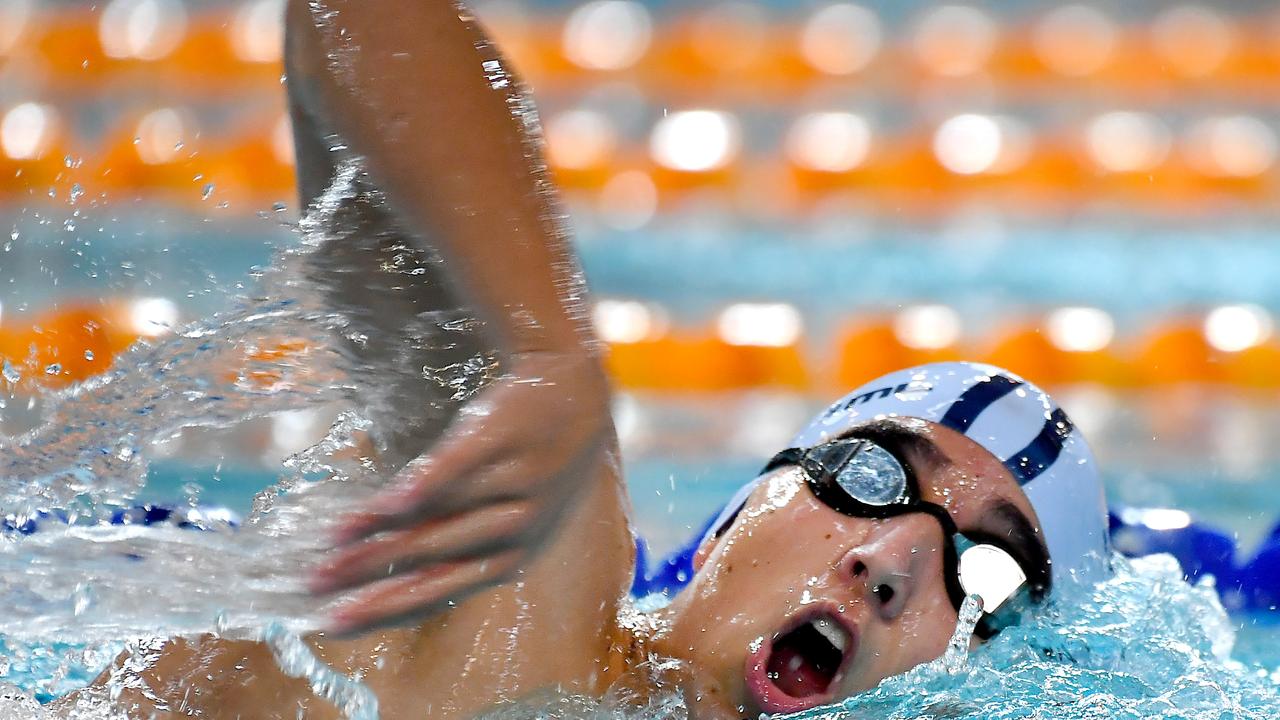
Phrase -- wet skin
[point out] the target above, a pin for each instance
(788, 557)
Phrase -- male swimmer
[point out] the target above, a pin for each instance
(498, 563)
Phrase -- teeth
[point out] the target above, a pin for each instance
(832, 632)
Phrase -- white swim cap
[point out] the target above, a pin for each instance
(1015, 421)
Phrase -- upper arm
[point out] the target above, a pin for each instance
(445, 131)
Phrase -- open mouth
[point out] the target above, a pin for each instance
(799, 669)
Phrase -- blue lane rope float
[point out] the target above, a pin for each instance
(1249, 584)
(202, 517)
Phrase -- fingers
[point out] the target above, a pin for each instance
(420, 593)
(417, 491)
(484, 531)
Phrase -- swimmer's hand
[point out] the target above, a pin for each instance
(474, 510)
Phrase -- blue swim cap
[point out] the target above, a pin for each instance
(1016, 422)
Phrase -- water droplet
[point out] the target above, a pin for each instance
(88, 355)
(208, 190)
(11, 373)
(82, 599)
(53, 369)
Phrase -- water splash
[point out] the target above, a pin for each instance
(353, 321)
(1140, 646)
(957, 654)
(354, 699)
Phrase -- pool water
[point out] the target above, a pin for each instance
(1144, 645)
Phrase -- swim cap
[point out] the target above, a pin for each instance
(1015, 421)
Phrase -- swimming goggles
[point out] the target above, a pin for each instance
(859, 478)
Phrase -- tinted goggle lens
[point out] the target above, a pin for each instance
(865, 471)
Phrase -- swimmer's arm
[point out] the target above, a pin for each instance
(447, 135)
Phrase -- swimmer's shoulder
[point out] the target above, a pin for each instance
(203, 676)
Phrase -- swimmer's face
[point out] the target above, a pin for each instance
(797, 605)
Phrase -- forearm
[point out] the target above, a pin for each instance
(446, 133)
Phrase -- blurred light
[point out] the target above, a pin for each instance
(764, 422)
(152, 317)
(160, 136)
(628, 201)
(1194, 39)
(579, 139)
(970, 144)
(629, 421)
(27, 131)
(607, 34)
(760, 324)
(954, 40)
(1091, 407)
(14, 15)
(294, 430)
(1127, 141)
(695, 140)
(927, 327)
(282, 141)
(1075, 40)
(1156, 518)
(627, 321)
(829, 141)
(142, 29)
(1233, 328)
(257, 32)
(1233, 146)
(841, 39)
(1081, 329)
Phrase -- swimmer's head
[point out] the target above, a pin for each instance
(805, 594)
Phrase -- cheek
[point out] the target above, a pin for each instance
(925, 631)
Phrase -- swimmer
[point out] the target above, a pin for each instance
(497, 565)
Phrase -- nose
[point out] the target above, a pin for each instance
(899, 558)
